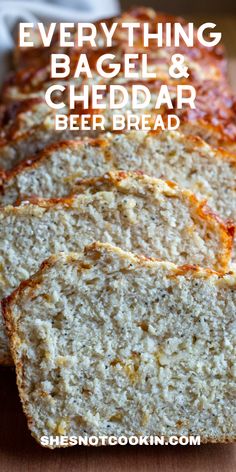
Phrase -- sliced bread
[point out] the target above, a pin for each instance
(106, 343)
(190, 162)
(25, 128)
(138, 213)
(28, 127)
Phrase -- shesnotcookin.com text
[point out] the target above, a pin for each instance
(120, 440)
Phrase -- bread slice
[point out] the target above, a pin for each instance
(108, 343)
(26, 127)
(138, 213)
(209, 173)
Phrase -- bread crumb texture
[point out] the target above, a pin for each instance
(107, 343)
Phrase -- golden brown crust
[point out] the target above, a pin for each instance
(12, 118)
(221, 136)
(216, 105)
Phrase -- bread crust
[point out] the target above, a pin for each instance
(12, 119)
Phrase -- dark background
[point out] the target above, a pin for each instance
(188, 7)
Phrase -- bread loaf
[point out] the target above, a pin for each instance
(27, 123)
(108, 343)
(34, 77)
(135, 212)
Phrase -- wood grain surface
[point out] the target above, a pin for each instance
(20, 453)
